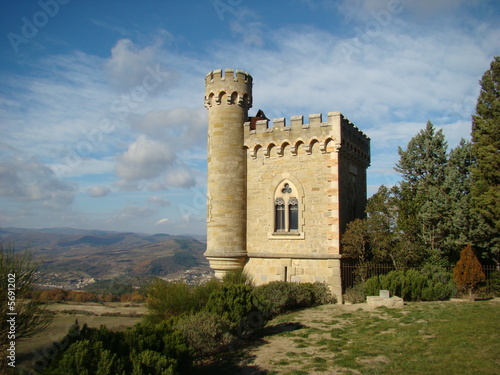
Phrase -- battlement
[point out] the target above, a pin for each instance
(228, 87)
(228, 75)
(337, 131)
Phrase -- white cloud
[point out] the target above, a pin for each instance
(32, 181)
(157, 201)
(98, 191)
(126, 66)
(182, 127)
(181, 178)
(144, 159)
(130, 65)
(162, 221)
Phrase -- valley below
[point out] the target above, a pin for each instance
(75, 259)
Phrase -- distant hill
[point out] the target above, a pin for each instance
(70, 256)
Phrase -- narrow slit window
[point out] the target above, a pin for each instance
(293, 214)
(279, 215)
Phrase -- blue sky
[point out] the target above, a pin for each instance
(101, 103)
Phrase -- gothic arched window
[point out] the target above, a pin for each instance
(286, 209)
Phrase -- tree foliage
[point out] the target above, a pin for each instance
(468, 272)
(422, 167)
(145, 349)
(425, 219)
(485, 173)
(32, 316)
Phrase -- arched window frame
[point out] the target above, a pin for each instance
(287, 211)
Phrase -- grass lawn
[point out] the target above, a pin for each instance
(421, 338)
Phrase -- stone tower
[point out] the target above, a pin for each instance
(228, 96)
(280, 193)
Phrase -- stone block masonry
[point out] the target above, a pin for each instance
(279, 196)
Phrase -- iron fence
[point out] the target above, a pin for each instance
(353, 272)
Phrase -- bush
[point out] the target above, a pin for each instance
(238, 305)
(237, 277)
(202, 292)
(356, 294)
(78, 312)
(206, 332)
(142, 350)
(468, 272)
(167, 300)
(283, 296)
(310, 294)
(86, 357)
(429, 284)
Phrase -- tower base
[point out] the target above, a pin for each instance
(222, 265)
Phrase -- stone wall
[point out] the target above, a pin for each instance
(320, 161)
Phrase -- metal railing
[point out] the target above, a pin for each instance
(353, 273)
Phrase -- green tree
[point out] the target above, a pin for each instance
(422, 204)
(356, 241)
(387, 240)
(485, 174)
(377, 237)
(19, 274)
(459, 222)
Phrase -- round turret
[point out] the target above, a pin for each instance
(228, 96)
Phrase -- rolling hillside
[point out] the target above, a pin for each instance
(73, 257)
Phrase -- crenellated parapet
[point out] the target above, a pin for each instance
(337, 131)
(228, 86)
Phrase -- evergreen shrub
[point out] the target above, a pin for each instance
(468, 272)
(237, 277)
(206, 332)
(145, 349)
(428, 284)
(172, 299)
(237, 304)
(284, 296)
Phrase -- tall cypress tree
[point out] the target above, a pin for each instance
(485, 174)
